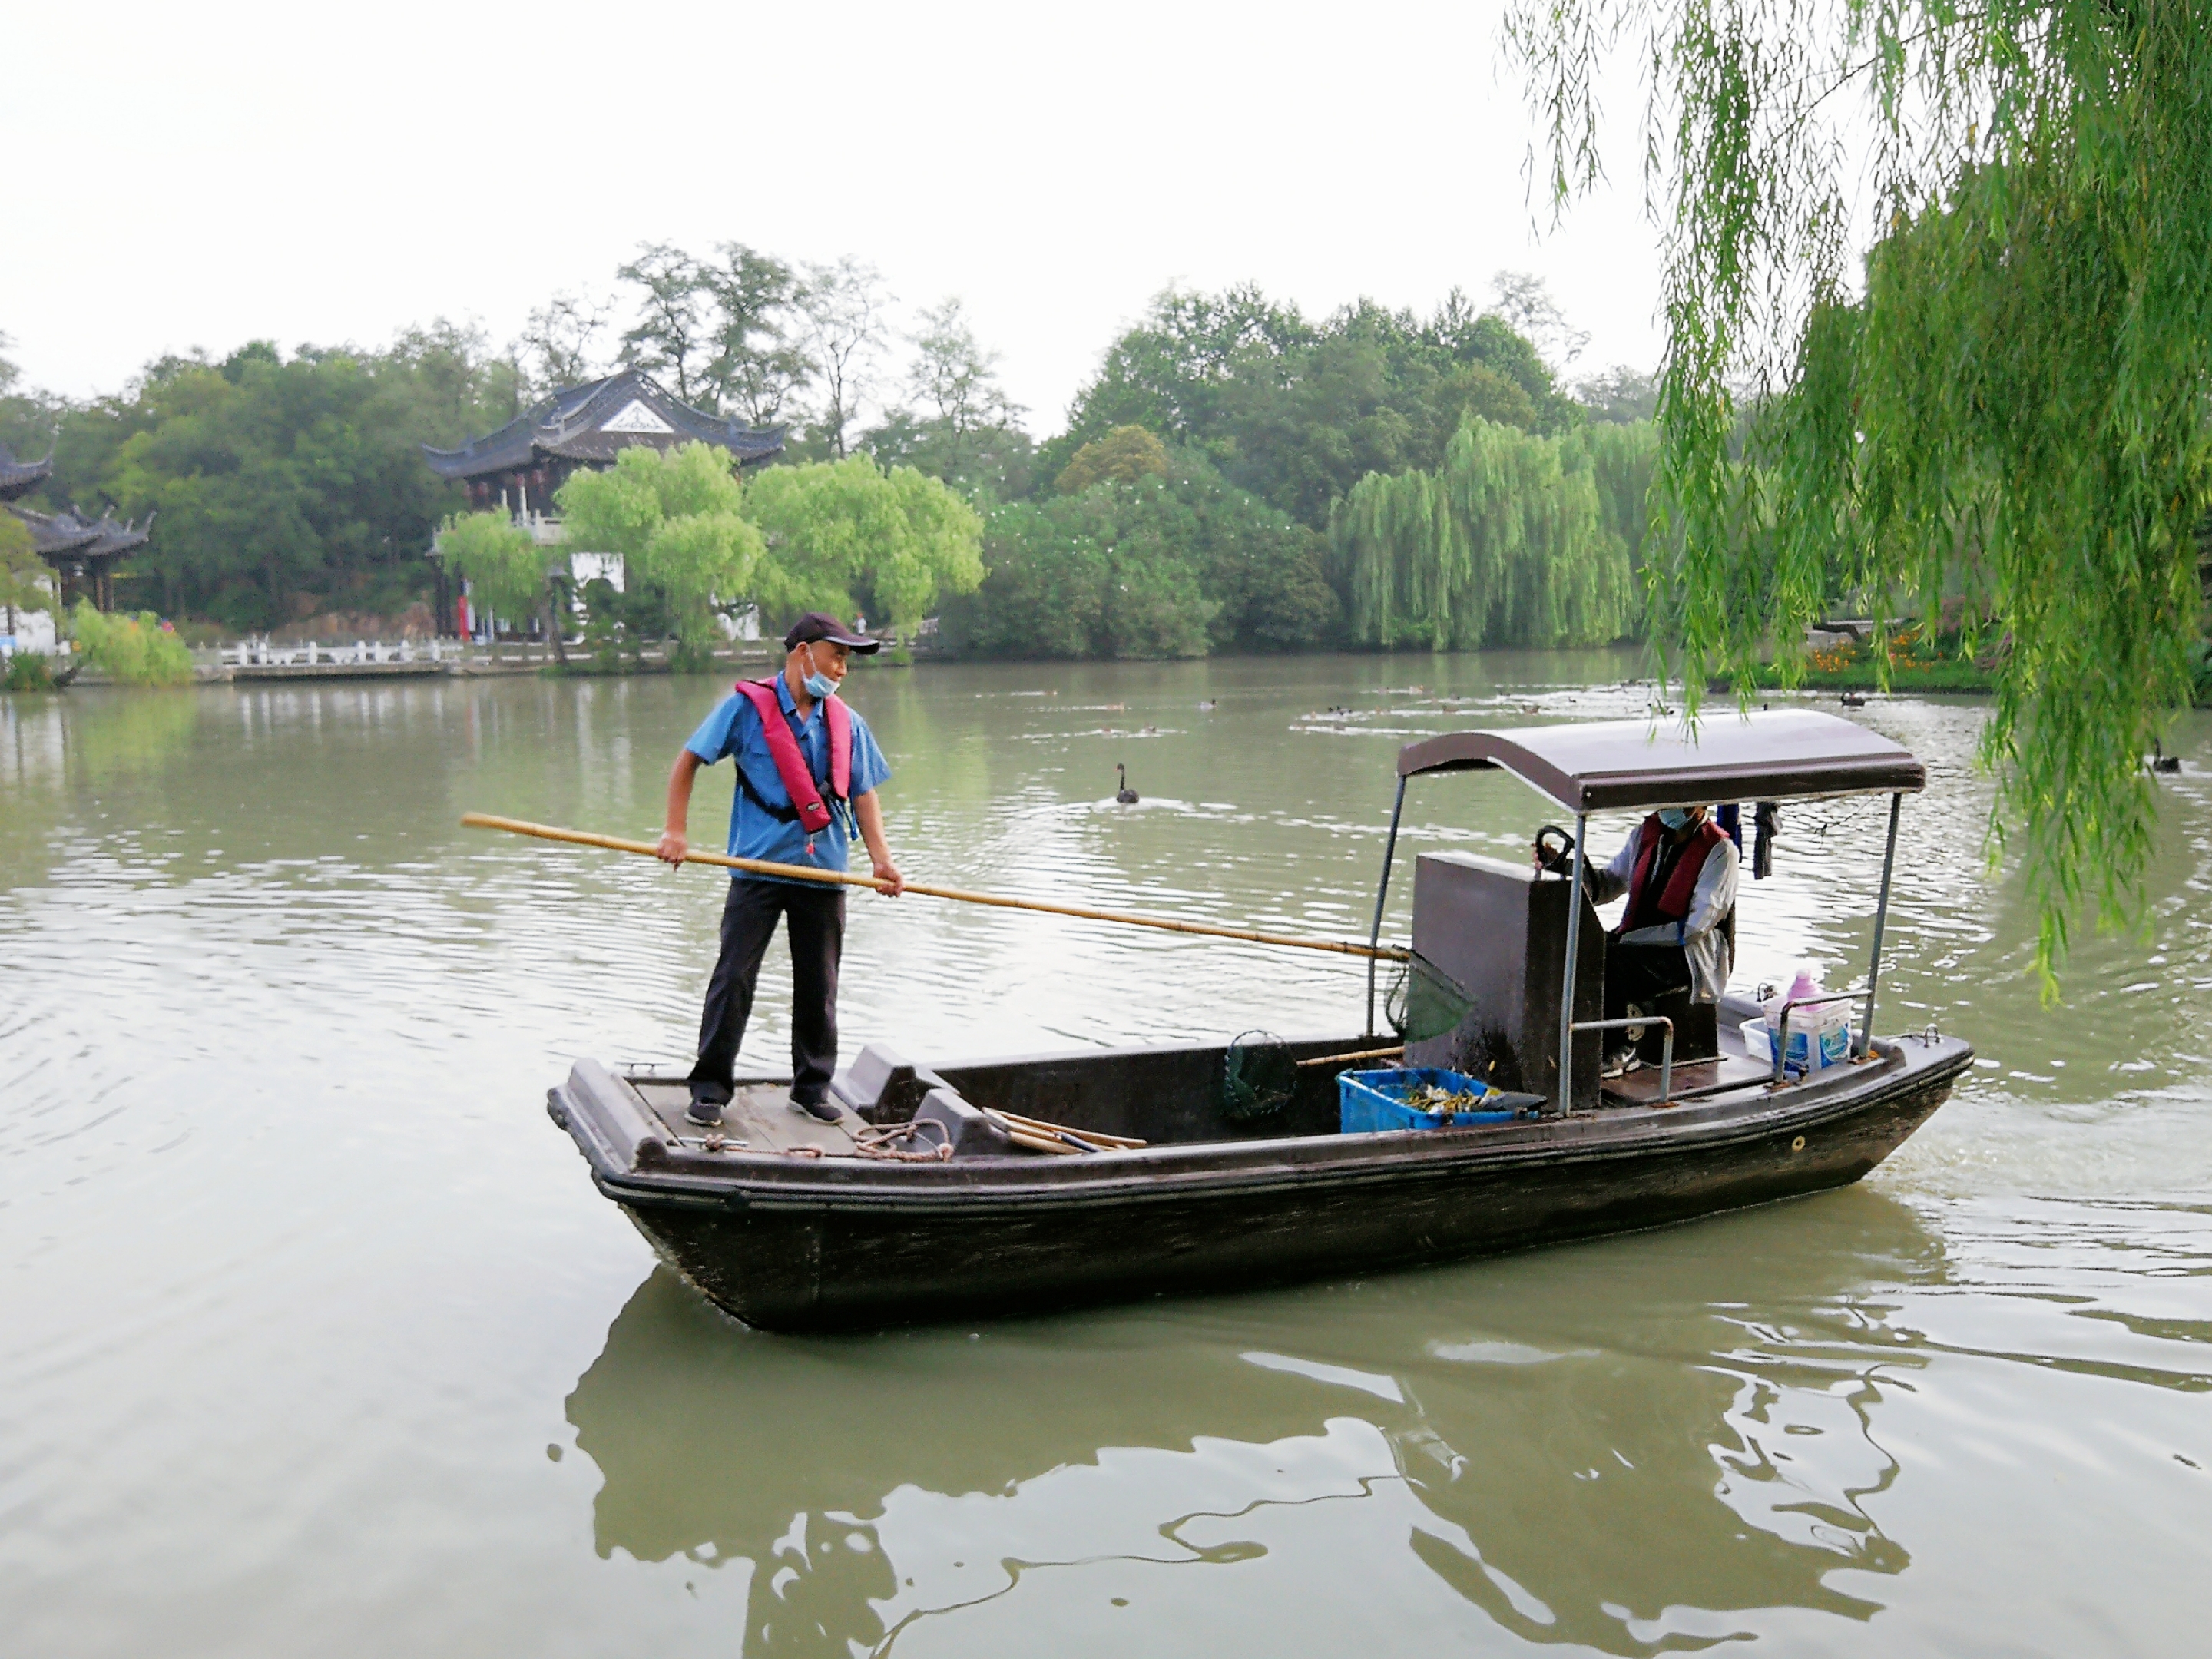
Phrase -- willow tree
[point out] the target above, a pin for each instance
(504, 567)
(677, 519)
(1938, 295)
(1512, 540)
(140, 650)
(841, 531)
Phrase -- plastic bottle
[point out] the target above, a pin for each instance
(1807, 984)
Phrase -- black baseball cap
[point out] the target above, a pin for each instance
(821, 625)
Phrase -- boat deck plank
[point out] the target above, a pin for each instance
(759, 1115)
(1691, 1079)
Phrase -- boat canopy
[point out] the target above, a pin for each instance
(1596, 765)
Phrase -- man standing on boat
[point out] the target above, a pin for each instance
(1679, 871)
(808, 769)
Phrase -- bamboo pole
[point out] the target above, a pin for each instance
(1033, 1141)
(1030, 1143)
(839, 878)
(1364, 1054)
(1127, 1143)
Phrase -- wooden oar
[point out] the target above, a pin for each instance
(839, 878)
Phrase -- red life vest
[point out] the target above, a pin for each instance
(1671, 904)
(799, 783)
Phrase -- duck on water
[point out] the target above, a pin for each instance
(959, 1189)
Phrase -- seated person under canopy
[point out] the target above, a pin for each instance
(1679, 871)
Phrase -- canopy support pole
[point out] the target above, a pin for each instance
(1567, 985)
(1382, 892)
(1880, 917)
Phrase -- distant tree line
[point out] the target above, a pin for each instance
(1207, 494)
(1195, 503)
(280, 485)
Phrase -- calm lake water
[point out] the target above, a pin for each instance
(315, 1336)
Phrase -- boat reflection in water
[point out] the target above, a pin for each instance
(1652, 1442)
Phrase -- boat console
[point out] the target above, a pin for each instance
(1498, 932)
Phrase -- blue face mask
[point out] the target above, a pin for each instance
(1675, 818)
(817, 683)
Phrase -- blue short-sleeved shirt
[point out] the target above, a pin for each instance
(734, 730)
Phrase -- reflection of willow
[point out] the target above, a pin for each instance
(1679, 1421)
(94, 737)
(109, 732)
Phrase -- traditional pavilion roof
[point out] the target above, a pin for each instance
(71, 535)
(21, 477)
(592, 423)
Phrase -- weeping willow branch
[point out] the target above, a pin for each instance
(1949, 339)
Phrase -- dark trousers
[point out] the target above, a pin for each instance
(817, 929)
(1642, 974)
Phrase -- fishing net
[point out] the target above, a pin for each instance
(1259, 1075)
(1424, 1001)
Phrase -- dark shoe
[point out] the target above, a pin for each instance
(704, 1112)
(820, 1110)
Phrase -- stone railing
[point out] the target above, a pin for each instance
(261, 654)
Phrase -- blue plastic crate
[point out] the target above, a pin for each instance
(1371, 1100)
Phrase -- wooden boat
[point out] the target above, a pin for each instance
(792, 1225)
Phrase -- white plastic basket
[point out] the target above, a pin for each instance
(1833, 1048)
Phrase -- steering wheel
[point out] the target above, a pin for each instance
(1557, 862)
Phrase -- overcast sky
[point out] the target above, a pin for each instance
(183, 177)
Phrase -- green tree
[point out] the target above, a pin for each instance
(995, 463)
(2013, 400)
(954, 381)
(455, 384)
(132, 650)
(673, 337)
(280, 485)
(1621, 395)
(1124, 455)
(1156, 603)
(677, 519)
(28, 418)
(842, 532)
(1523, 302)
(841, 306)
(1297, 412)
(1509, 542)
(24, 578)
(1624, 466)
(506, 569)
(719, 330)
(1174, 565)
(1043, 594)
(1104, 573)
(556, 346)
(757, 370)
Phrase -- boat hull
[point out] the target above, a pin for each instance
(829, 1249)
